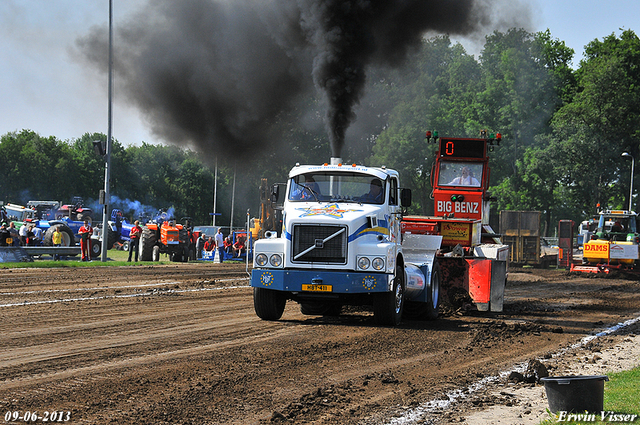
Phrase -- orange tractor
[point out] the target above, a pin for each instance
(163, 235)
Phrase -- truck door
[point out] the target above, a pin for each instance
(395, 211)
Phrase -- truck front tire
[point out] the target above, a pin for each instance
(388, 306)
(268, 304)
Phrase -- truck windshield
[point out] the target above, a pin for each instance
(337, 187)
(460, 174)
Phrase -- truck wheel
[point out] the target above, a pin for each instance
(388, 306)
(147, 243)
(268, 304)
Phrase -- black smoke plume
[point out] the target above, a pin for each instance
(217, 74)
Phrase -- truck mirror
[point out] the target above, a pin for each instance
(275, 193)
(405, 197)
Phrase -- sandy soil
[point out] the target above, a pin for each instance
(181, 344)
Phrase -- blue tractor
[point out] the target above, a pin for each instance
(21, 216)
(118, 230)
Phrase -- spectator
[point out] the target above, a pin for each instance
(238, 247)
(5, 236)
(228, 245)
(220, 244)
(37, 235)
(209, 245)
(22, 232)
(134, 235)
(56, 239)
(200, 245)
(85, 240)
(30, 235)
(14, 234)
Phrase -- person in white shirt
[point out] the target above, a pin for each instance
(466, 179)
(220, 244)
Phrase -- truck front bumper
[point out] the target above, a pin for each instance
(321, 281)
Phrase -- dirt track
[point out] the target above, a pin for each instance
(181, 344)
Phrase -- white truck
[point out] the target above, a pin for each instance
(344, 240)
(341, 245)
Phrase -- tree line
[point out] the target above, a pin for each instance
(564, 130)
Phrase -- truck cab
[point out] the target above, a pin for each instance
(340, 242)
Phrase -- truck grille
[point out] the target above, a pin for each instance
(318, 243)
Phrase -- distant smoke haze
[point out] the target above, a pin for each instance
(216, 74)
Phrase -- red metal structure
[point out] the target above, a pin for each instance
(472, 258)
(565, 243)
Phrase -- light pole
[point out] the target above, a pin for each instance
(633, 163)
(107, 165)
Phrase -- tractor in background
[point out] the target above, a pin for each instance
(118, 230)
(163, 235)
(75, 211)
(22, 215)
(614, 244)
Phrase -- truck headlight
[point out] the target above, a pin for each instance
(276, 260)
(363, 263)
(378, 263)
(261, 260)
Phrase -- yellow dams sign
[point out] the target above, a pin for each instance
(598, 251)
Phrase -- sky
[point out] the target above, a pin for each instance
(45, 88)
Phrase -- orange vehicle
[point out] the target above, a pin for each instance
(164, 236)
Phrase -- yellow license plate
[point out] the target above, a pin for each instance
(317, 288)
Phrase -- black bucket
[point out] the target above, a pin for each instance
(575, 393)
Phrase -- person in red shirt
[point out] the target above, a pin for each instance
(238, 247)
(134, 243)
(209, 245)
(228, 246)
(85, 240)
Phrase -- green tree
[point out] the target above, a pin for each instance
(601, 122)
(521, 76)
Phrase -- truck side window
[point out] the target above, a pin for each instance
(393, 192)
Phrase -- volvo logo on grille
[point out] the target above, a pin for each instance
(319, 243)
